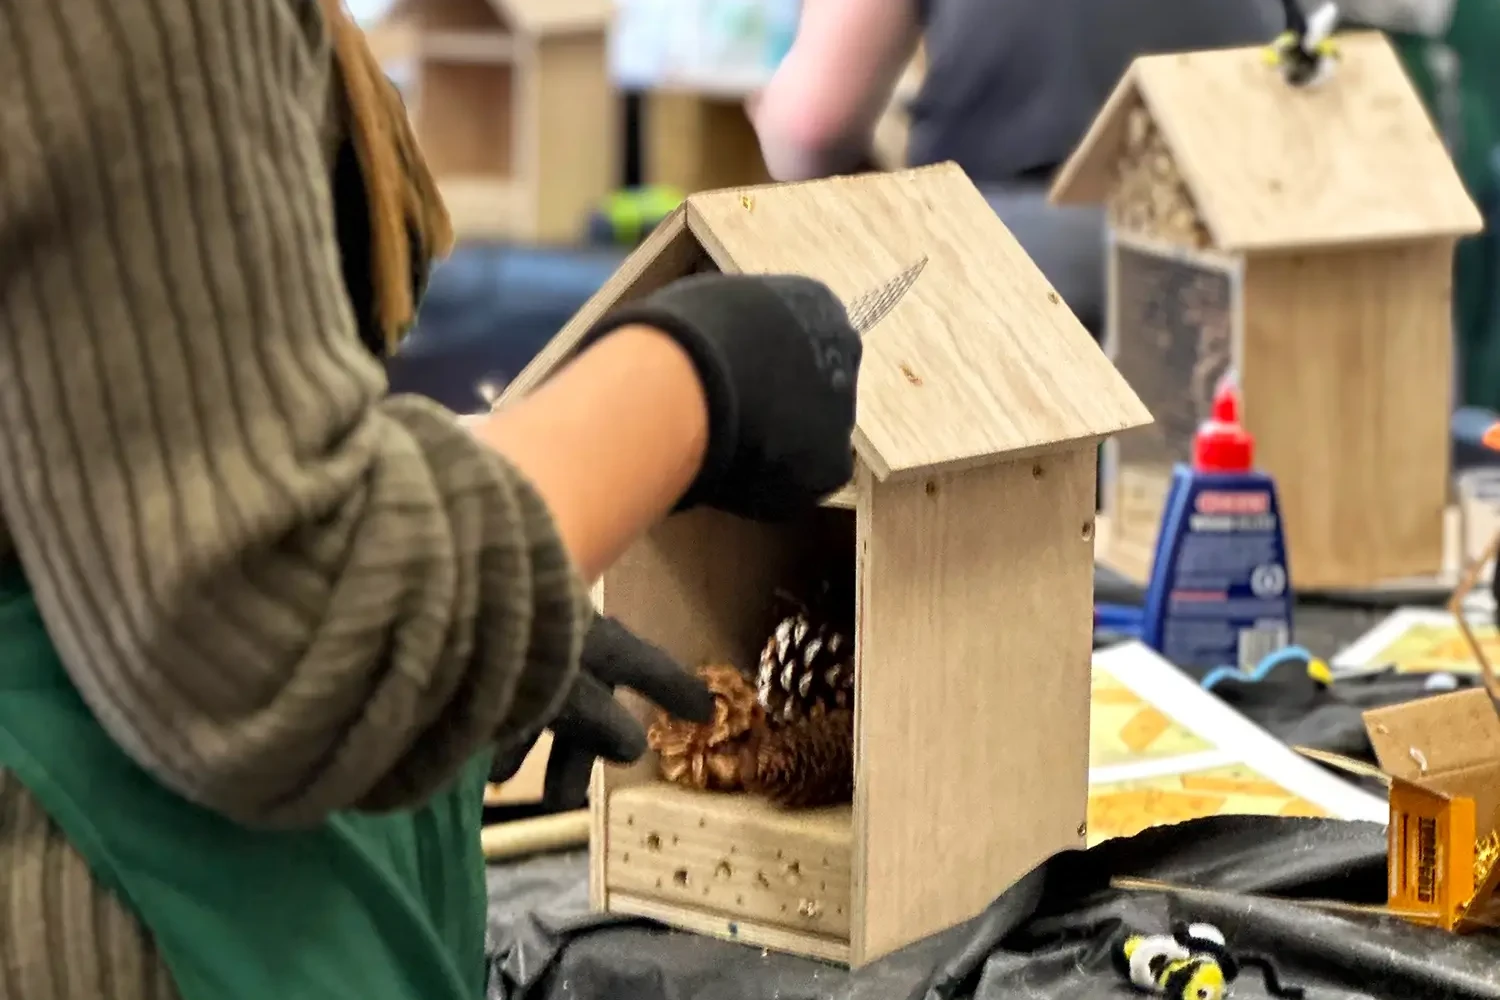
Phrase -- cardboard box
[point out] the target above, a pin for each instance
(1442, 758)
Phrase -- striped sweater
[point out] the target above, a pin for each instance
(280, 591)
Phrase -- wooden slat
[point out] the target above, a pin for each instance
(973, 678)
(1347, 373)
(734, 855)
(742, 931)
(557, 17)
(489, 46)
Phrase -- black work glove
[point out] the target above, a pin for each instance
(779, 362)
(592, 724)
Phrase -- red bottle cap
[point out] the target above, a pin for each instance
(1221, 444)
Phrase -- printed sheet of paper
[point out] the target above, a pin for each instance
(1163, 750)
(1418, 641)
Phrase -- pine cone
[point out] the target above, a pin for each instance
(709, 755)
(806, 669)
(807, 763)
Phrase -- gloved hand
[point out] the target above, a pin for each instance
(779, 362)
(592, 724)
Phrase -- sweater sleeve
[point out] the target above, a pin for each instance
(280, 591)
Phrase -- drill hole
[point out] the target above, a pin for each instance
(653, 842)
(1088, 531)
(680, 876)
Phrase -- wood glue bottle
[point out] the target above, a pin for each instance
(1219, 594)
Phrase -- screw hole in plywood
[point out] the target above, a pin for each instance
(931, 488)
(723, 870)
(653, 842)
(792, 871)
(1037, 472)
(1088, 531)
(680, 876)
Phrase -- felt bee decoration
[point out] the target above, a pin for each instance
(1305, 52)
(1191, 963)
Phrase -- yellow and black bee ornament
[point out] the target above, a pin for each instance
(1191, 963)
(1305, 52)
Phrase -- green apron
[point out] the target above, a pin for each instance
(385, 907)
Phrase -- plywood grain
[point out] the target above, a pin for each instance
(576, 124)
(972, 719)
(980, 358)
(557, 17)
(1347, 374)
(736, 855)
(696, 142)
(1354, 160)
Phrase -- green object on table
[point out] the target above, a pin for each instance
(628, 216)
(387, 907)
(1458, 75)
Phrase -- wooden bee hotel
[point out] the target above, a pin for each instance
(1302, 235)
(944, 597)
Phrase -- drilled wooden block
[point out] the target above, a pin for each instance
(732, 855)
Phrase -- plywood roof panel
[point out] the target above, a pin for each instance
(1355, 159)
(978, 358)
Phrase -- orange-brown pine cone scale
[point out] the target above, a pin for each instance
(807, 763)
(708, 756)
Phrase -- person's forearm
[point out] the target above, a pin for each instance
(611, 442)
(817, 115)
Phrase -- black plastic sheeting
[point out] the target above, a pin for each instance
(1329, 718)
(1047, 937)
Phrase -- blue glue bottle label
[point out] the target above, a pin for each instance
(1219, 594)
(1227, 600)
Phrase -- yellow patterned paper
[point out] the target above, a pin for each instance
(1125, 808)
(1432, 648)
(1124, 728)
